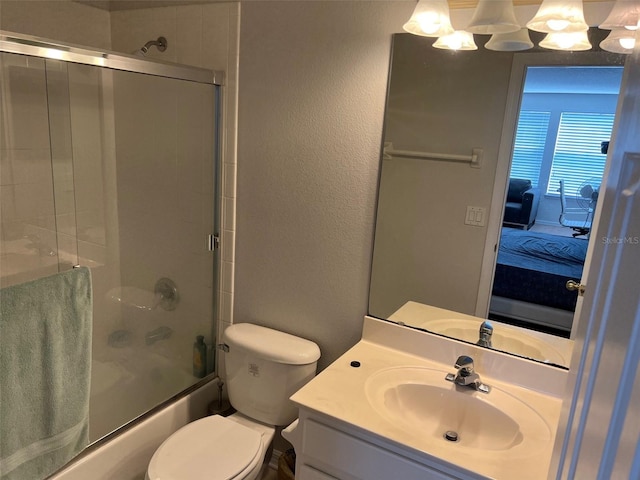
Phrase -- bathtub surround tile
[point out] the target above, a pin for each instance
(91, 255)
(27, 201)
(229, 213)
(215, 35)
(28, 121)
(208, 212)
(67, 249)
(189, 35)
(7, 204)
(64, 192)
(163, 23)
(30, 165)
(229, 173)
(189, 207)
(226, 307)
(227, 277)
(228, 246)
(217, 26)
(130, 30)
(65, 21)
(66, 224)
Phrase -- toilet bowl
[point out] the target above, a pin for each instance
(263, 369)
(220, 448)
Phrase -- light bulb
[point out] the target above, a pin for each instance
(454, 42)
(557, 25)
(619, 41)
(430, 18)
(632, 27)
(574, 41)
(627, 43)
(565, 41)
(429, 22)
(458, 40)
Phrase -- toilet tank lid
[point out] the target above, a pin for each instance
(270, 344)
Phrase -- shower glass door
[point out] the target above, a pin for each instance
(116, 171)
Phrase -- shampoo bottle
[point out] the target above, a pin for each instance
(199, 357)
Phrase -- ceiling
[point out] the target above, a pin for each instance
(112, 5)
(133, 4)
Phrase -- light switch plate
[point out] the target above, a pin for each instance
(476, 216)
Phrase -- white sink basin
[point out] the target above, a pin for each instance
(505, 338)
(420, 401)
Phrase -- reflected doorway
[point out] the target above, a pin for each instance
(558, 156)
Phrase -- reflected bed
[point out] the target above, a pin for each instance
(533, 268)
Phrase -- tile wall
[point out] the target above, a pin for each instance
(205, 36)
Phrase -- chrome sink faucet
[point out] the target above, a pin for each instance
(486, 330)
(466, 376)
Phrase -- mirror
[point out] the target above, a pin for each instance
(450, 125)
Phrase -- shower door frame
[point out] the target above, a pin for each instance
(21, 44)
(39, 47)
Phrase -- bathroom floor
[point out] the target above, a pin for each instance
(269, 474)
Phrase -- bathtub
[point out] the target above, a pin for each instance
(126, 454)
(130, 382)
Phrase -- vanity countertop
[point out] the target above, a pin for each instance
(437, 320)
(339, 392)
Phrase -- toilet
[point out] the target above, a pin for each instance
(263, 367)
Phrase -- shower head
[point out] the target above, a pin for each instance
(160, 44)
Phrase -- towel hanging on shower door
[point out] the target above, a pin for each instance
(45, 367)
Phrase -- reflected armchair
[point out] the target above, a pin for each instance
(522, 204)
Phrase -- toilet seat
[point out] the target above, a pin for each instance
(210, 448)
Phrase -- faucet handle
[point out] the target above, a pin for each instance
(464, 364)
(486, 331)
(486, 328)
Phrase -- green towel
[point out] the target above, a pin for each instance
(45, 368)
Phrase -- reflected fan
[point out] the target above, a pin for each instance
(587, 194)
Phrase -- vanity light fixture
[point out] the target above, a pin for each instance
(510, 42)
(458, 40)
(430, 18)
(625, 14)
(619, 41)
(493, 16)
(572, 41)
(559, 16)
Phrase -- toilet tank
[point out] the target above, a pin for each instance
(264, 367)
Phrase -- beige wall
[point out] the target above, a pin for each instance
(313, 77)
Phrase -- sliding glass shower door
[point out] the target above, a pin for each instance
(116, 170)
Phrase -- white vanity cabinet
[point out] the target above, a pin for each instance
(381, 410)
(328, 449)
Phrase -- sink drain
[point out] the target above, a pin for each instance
(451, 436)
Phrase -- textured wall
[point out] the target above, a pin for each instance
(312, 89)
